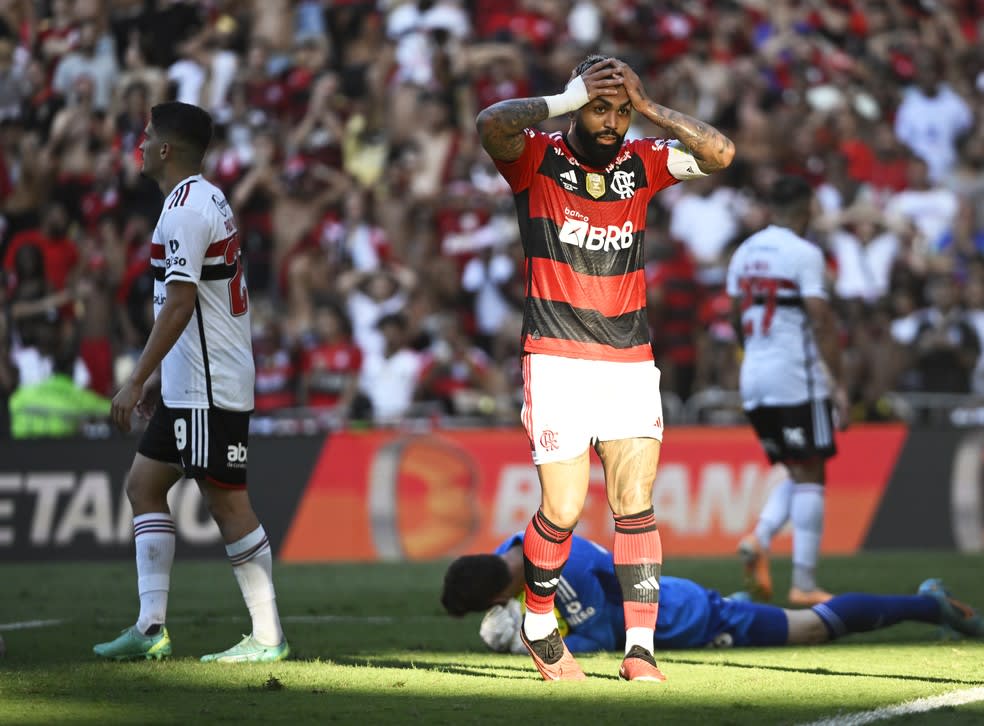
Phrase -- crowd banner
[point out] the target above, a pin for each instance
(392, 495)
(64, 499)
(398, 495)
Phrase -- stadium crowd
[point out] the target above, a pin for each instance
(382, 250)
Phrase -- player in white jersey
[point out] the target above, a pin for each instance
(789, 377)
(194, 381)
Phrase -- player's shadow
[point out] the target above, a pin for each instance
(448, 667)
(514, 672)
(821, 671)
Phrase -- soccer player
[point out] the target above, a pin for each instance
(690, 615)
(588, 370)
(194, 381)
(790, 373)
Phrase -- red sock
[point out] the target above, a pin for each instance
(546, 548)
(638, 558)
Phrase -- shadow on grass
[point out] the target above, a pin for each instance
(449, 667)
(823, 671)
(523, 673)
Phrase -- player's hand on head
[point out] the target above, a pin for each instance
(633, 84)
(600, 79)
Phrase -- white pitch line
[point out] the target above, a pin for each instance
(920, 705)
(30, 624)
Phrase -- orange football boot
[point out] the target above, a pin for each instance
(755, 560)
(552, 658)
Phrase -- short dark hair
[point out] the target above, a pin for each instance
(183, 122)
(588, 62)
(790, 191)
(397, 320)
(473, 582)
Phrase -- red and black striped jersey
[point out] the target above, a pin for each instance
(582, 231)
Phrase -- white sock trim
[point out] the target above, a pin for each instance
(643, 637)
(539, 625)
(248, 547)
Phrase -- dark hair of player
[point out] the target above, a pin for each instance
(473, 582)
(587, 63)
(790, 192)
(183, 125)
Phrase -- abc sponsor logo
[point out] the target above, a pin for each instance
(236, 455)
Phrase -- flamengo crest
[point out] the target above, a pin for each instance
(623, 183)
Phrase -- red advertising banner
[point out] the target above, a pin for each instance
(393, 495)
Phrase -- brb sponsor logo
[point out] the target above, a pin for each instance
(578, 231)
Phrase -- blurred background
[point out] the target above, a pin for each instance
(345, 142)
(382, 247)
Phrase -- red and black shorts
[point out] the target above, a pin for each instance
(795, 433)
(209, 444)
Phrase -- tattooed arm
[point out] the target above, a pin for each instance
(712, 149)
(501, 125)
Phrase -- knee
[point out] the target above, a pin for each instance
(221, 508)
(562, 514)
(631, 500)
(226, 507)
(137, 492)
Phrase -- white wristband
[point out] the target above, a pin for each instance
(573, 97)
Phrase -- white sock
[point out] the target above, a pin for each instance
(252, 564)
(807, 516)
(639, 636)
(539, 625)
(153, 537)
(775, 513)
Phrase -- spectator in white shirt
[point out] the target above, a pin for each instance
(389, 376)
(369, 296)
(865, 248)
(705, 219)
(930, 207)
(931, 118)
(95, 59)
(487, 276)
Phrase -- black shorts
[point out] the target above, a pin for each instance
(795, 433)
(207, 443)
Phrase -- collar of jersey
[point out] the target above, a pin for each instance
(569, 151)
(183, 181)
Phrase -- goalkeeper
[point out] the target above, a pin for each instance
(589, 601)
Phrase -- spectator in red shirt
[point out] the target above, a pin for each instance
(330, 367)
(276, 368)
(673, 296)
(458, 374)
(58, 250)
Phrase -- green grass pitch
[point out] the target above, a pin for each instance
(371, 646)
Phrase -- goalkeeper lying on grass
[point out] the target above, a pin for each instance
(690, 616)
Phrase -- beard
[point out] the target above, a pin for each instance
(596, 154)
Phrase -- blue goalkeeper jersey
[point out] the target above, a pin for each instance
(589, 598)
